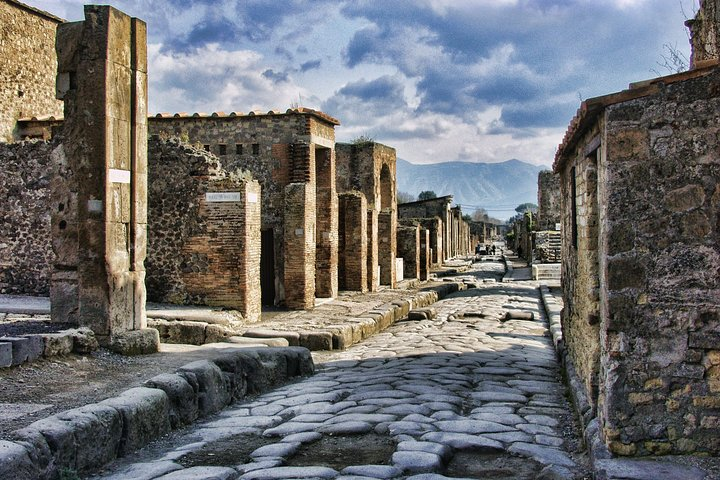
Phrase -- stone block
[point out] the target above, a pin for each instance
(145, 416)
(5, 354)
(293, 338)
(316, 340)
(97, 432)
(342, 336)
(15, 462)
(24, 349)
(217, 333)
(84, 340)
(207, 380)
(183, 399)
(233, 372)
(135, 342)
(57, 344)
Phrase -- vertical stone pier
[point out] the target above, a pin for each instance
(99, 197)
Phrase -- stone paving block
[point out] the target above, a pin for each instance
(201, 473)
(284, 473)
(183, 399)
(6, 359)
(23, 349)
(372, 471)
(293, 338)
(145, 471)
(417, 461)
(207, 380)
(542, 454)
(145, 415)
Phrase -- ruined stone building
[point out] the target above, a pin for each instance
(640, 185)
(203, 231)
(705, 34)
(367, 170)
(449, 233)
(28, 64)
(292, 155)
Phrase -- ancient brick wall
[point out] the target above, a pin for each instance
(352, 249)
(203, 245)
(660, 217)
(408, 248)
(436, 207)
(548, 247)
(299, 238)
(25, 246)
(548, 214)
(580, 269)
(28, 65)
(279, 149)
(373, 244)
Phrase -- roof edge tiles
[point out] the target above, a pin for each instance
(291, 111)
(592, 107)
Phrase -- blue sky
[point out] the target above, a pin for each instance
(439, 80)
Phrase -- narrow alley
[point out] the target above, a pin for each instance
(474, 391)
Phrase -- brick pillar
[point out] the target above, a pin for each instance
(424, 254)
(326, 258)
(373, 280)
(299, 243)
(387, 227)
(352, 250)
(408, 247)
(99, 198)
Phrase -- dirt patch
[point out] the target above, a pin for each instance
(229, 451)
(27, 327)
(340, 451)
(495, 466)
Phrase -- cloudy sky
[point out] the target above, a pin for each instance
(440, 80)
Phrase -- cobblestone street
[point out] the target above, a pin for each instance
(472, 393)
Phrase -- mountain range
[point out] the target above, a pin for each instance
(496, 187)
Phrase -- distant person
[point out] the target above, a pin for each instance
(519, 252)
(492, 250)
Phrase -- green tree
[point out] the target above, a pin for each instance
(526, 207)
(427, 195)
(404, 197)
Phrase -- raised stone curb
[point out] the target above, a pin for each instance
(87, 437)
(28, 348)
(349, 331)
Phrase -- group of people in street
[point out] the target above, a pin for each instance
(491, 249)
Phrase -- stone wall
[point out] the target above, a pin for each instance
(387, 247)
(203, 245)
(25, 246)
(352, 249)
(660, 197)
(436, 207)
(424, 254)
(548, 215)
(641, 262)
(28, 65)
(705, 33)
(548, 246)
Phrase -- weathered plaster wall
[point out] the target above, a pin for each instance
(25, 245)
(660, 217)
(202, 250)
(28, 65)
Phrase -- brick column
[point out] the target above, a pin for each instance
(99, 197)
(326, 258)
(387, 227)
(352, 250)
(373, 280)
(408, 247)
(299, 242)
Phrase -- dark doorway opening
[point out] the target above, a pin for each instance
(267, 266)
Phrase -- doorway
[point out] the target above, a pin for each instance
(267, 267)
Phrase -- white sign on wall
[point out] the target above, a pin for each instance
(119, 176)
(213, 197)
(252, 198)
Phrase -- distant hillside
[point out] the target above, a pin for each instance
(497, 187)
